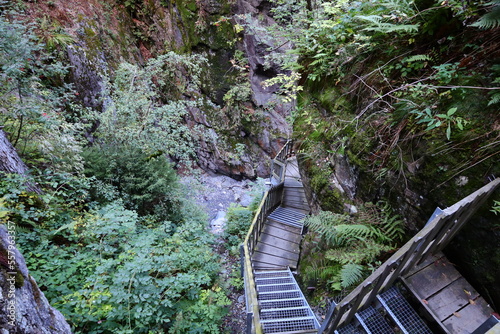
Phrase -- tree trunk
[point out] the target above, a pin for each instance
(10, 162)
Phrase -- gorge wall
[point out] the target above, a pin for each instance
(241, 129)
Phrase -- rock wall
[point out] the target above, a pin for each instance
(23, 307)
(238, 138)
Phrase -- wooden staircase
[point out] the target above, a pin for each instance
(275, 303)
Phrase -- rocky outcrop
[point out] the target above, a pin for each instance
(246, 135)
(23, 307)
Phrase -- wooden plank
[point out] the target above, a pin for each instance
(450, 300)
(427, 261)
(284, 235)
(273, 260)
(273, 225)
(278, 252)
(278, 242)
(433, 278)
(469, 318)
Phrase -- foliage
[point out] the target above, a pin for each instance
(146, 184)
(109, 271)
(491, 19)
(148, 107)
(34, 98)
(496, 207)
(351, 244)
(240, 218)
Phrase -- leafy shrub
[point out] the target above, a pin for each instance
(113, 275)
(239, 220)
(145, 184)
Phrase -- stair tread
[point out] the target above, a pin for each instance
(402, 313)
(373, 322)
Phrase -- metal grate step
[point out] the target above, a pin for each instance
(276, 287)
(271, 274)
(373, 322)
(288, 324)
(273, 280)
(283, 313)
(350, 329)
(287, 216)
(282, 303)
(280, 295)
(283, 307)
(402, 313)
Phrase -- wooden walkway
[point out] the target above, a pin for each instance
(278, 247)
(447, 296)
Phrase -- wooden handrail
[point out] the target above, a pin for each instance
(430, 240)
(271, 200)
(278, 165)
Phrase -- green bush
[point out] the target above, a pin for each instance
(146, 184)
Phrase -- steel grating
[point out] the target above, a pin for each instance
(402, 313)
(271, 274)
(276, 287)
(349, 329)
(373, 322)
(282, 303)
(280, 295)
(268, 281)
(288, 325)
(284, 313)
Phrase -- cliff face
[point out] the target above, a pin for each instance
(240, 131)
(23, 307)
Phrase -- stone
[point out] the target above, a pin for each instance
(33, 313)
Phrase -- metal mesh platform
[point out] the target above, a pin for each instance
(350, 329)
(288, 325)
(402, 313)
(373, 322)
(280, 295)
(287, 216)
(282, 303)
(276, 287)
(284, 313)
(270, 274)
(280, 280)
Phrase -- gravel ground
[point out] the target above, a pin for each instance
(215, 193)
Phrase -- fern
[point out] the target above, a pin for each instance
(495, 98)
(376, 23)
(417, 58)
(491, 19)
(351, 274)
(354, 232)
(358, 253)
(321, 270)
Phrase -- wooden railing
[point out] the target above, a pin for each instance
(272, 199)
(430, 240)
(278, 165)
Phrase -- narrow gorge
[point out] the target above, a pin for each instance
(128, 127)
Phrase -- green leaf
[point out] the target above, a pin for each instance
(448, 132)
(452, 111)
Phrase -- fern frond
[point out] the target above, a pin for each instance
(489, 20)
(495, 98)
(321, 270)
(415, 58)
(348, 232)
(351, 274)
(376, 19)
(358, 253)
(387, 28)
